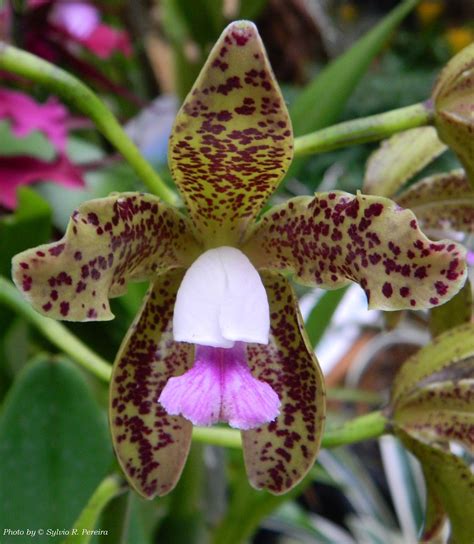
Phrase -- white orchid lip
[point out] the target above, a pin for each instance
(221, 300)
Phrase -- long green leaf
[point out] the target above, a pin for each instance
(323, 100)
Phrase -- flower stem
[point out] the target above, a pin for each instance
(81, 97)
(55, 332)
(109, 488)
(365, 427)
(366, 129)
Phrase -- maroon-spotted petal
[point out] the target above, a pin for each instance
(232, 140)
(109, 241)
(279, 454)
(334, 238)
(151, 445)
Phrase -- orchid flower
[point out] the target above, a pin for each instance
(81, 21)
(25, 116)
(50, 23)
(219, 336)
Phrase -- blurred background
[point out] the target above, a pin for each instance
(142, 58)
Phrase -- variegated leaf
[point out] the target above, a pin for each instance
(453, 97)
(443, 203)
(444, 351)
(450, 483)
(151, 445)
(399, 158)
(334, 238)
(232, 140)
(109, 241)
(278, 455)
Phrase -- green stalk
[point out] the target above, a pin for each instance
(362, 428)
(82, 98)
(366, 129)
(55, 332)
(82, 531)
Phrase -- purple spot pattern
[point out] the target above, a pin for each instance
(440, 412)
(334, 238)
(151, 445)
(444, 202)
(108, 242)
(278, 454)
(232, 140)
(442, 470)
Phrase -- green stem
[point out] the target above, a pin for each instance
(365, 427)
(82, 530)
(82, 98)
(362, 428)
(366, 129)
(55, 332)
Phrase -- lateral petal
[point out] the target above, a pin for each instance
(109, 241)
(151, 445)
(279, 454)
(334, 238)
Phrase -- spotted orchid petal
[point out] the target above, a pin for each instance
(221, 300)
(279, 454)
(109, 241)
(334, 238)
(442, 203)
(232, 139)
(151, 445)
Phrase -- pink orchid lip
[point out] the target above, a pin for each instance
(220, 387)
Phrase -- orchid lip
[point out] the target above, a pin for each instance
(220, 387)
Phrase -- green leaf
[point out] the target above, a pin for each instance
(320, 316)
(323, 100)
(34, 144)
(54, 448)
(399, 158)
(455, 312)
(450, 483)
(445, 350)
(28, 226)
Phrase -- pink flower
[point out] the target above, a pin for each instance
(81, 21)
(23, 170)
(26, 116)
